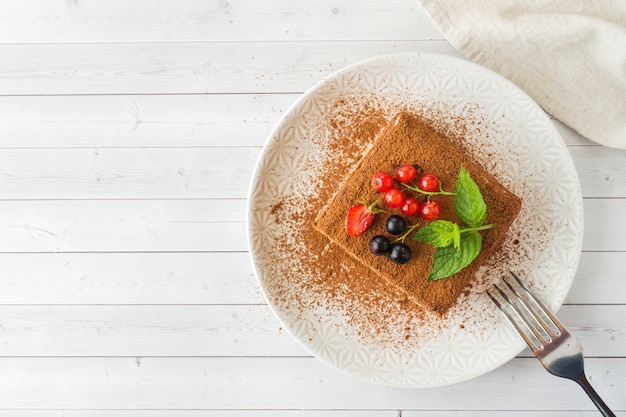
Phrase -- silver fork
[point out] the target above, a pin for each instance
(557, 350)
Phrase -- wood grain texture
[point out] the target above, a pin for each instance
(390, 412)
(281, 383)
(140, 121)
(190, 225)
(130, 278)
(114, 173)
(599, 279)
(129, 132)
(211, 172)
(41, 21)
(186, 68)
(187, 120)
(149, 330)
(123, 226)
(216, 330)
(189, 278)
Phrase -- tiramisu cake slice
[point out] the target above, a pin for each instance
(407, 139)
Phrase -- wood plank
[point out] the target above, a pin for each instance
(604, 231)
(205, 278)
(184, 68)
(601, 170)
(123, 226)
(129, 278)
(192, 225)
(280, 383)
(599, 279)
(217, 330)
(213, 172)
(165, 330)
(140, 121)
(143, 259)
(126, 172)
(599, 332)
(196, 20)
(297, 413)
(194, 120)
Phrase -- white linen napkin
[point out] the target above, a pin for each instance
(568, 55)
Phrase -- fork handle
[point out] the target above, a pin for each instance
(604, 409)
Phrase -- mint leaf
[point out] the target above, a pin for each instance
(468, 201)
(439, 233)
(448, 261)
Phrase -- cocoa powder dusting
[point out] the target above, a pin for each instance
(312, 273)
(407, 139)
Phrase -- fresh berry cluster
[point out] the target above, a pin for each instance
(398, 251)
(395, 190)
(428, 184)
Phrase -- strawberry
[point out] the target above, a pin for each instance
(360, 217)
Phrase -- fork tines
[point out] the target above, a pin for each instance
(530, 317)
(557, 350)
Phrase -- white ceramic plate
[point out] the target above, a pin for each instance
(502, 128)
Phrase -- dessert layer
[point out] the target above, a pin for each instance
(407, 139)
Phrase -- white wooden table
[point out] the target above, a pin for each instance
(128, 135)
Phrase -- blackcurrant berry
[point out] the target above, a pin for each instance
(395, 224)
(400, 253)
(379, 245)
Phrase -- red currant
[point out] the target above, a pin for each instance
(382, 182)
(429, 182)
(406, 173)
(394, 198)
(410, 207)
(430, 210)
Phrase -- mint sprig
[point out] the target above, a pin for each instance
(468, 201)
(448, 261)
(440, 234)
(457, 246)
